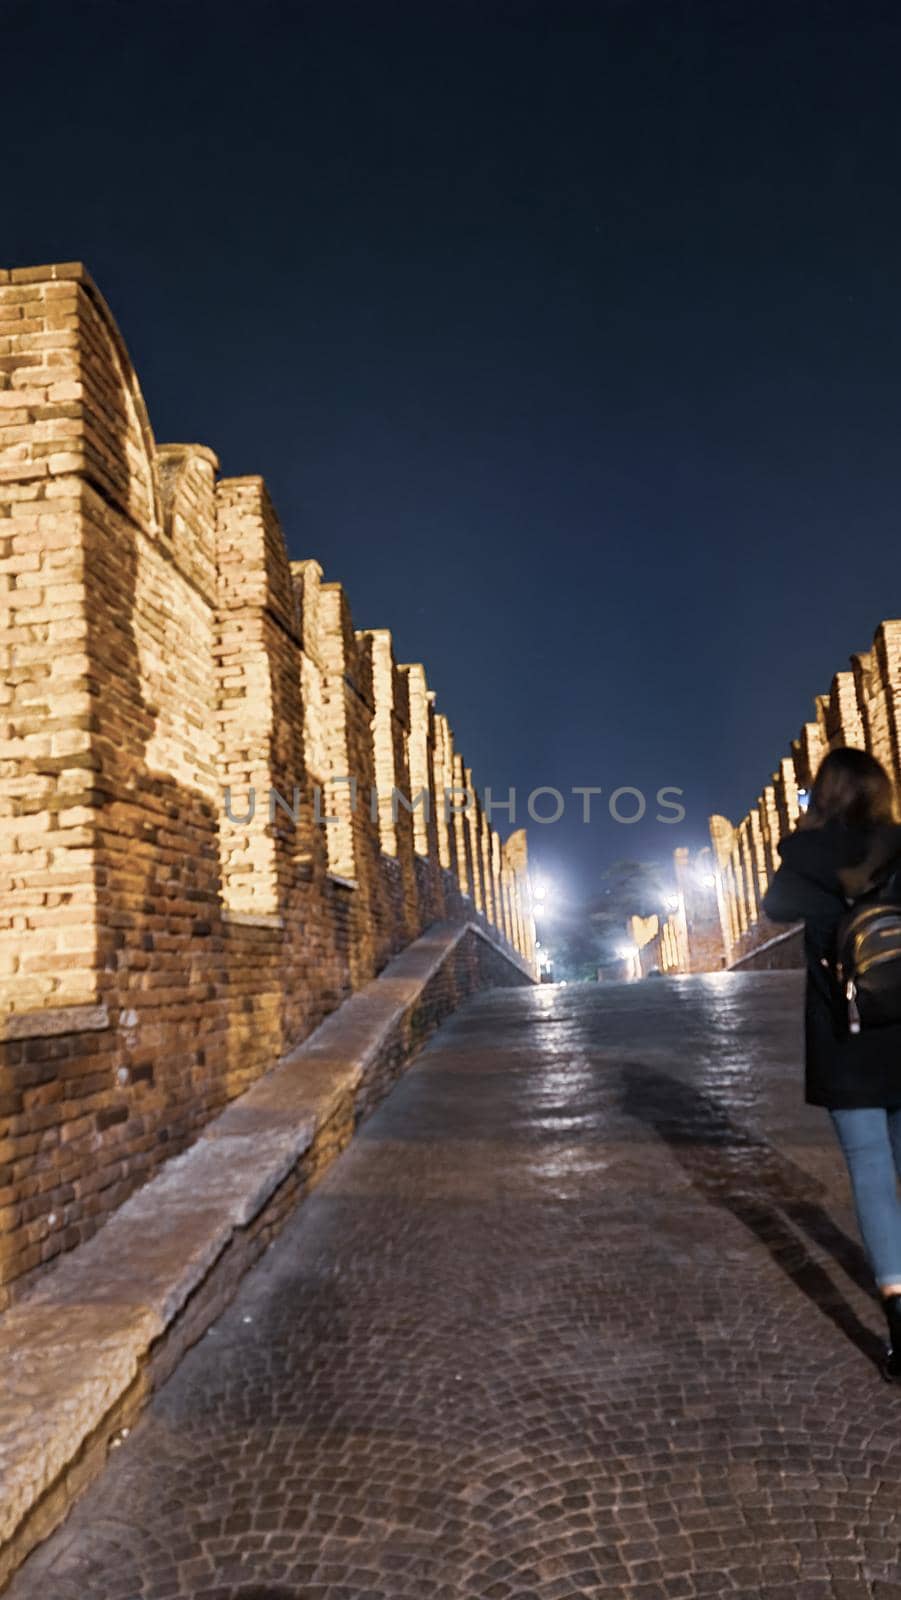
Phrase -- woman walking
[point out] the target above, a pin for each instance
(847, 844)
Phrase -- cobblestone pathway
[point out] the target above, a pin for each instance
(581, 1312)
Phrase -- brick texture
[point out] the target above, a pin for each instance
(862, 709)
(166, 671)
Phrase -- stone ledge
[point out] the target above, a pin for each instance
(48, 274)
(84, 1350)
(56, 1019)
(254, 919)
(766, 952)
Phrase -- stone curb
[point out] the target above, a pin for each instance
(768, 946)
(77, 1351)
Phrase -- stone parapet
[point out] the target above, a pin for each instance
(84, 1349)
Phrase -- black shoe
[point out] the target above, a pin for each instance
(891, 1366)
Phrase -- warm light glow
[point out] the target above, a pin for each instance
(627, 951)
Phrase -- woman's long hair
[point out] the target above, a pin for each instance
(851, 788)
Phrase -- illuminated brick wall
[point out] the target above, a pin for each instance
(160, 657)
(862, 709)
(688, 939)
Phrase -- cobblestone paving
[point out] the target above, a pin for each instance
(581, 1312)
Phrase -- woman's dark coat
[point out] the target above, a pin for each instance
(822, 870)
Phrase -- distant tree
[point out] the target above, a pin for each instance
(629, 889)
(575, 947)
(588, 936)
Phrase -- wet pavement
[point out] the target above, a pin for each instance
(580, 1312)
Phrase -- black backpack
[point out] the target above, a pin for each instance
(868, 957)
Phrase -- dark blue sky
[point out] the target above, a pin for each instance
(566, 335)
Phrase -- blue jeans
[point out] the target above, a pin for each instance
(870, 1138)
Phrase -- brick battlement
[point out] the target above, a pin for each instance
(159, 649)
(862, 709)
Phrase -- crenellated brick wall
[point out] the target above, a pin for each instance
(863, 709)
(688, 939)
(162, 661)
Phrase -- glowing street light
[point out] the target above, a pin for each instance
(539, 893)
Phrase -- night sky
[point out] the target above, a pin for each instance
(567, 336)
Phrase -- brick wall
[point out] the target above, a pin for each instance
(862, 709)
(689, 939)
(168, 926)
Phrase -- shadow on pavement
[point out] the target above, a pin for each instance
(746, 1175)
